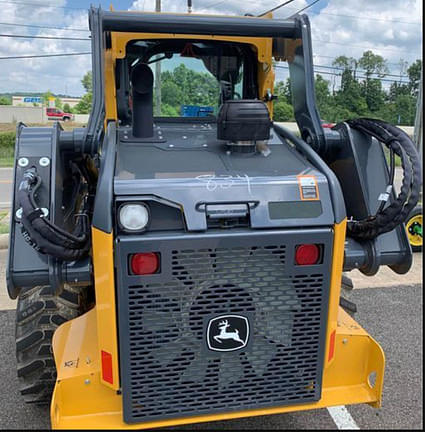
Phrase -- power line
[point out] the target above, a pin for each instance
(276, 8)
(333, 57)
(42, 5)
(362, 18)
(44, 27)
(358, 46)
(370, 19)
(304, 8)
(43, 37)
(335, 74)
(45, 55)
(214, 4)
(358, 70)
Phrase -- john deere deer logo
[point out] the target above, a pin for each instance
(227, 333)
(224, 334)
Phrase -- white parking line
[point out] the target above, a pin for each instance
(342, 418)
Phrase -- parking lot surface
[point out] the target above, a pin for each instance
(392, 315)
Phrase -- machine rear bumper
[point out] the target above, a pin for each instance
(81, 401)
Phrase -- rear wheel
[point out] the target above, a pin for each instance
(414, 229)
(38, 314)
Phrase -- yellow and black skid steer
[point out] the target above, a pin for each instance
(187, 267)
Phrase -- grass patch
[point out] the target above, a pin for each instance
(387, 157)
(8, 136)
(7, 148)
(4, 226)
(6, 162)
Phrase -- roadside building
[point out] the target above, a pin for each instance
(30, 101)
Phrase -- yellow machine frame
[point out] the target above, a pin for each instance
(82, 399)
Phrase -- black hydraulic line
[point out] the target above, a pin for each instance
(43, 235)
(390, 186)
(400, 144)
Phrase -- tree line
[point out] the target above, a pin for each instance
(361, 92)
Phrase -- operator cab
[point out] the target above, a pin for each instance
(194, 74)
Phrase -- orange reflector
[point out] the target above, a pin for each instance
(331, 345)
(107, 367)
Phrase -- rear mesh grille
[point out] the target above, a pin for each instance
(167, 369)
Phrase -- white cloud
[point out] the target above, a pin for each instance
(334, 32)
(58, 74)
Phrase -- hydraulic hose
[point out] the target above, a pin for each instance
(400, 144)
(44, 236)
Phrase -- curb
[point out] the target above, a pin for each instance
(4, 241)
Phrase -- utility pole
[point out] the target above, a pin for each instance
(418, 131)
(158, 73)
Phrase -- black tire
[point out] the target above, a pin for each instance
(65, 119)
(414, 240)
(38, 314)
(348, 306)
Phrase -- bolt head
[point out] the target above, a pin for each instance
(23, 162)
(18, 213)
(86, 381)
(44, 161)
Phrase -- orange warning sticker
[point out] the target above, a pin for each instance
(308, 187)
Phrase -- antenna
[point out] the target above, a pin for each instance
(189, 6)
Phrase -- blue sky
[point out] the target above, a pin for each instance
(391, 28)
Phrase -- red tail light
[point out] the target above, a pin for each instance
(307, 254)
(144, 263)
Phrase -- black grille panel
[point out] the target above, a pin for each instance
(167, 370)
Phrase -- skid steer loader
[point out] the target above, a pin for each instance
(174, 270)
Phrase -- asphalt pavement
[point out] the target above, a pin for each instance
(392, 315)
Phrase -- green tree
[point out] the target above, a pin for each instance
(414, 72)
(169, 111)
(323, 98)
(349, 99)
(67, 108)
(84, 106)
(5, 101)
(282, 90)
(46, 96)
(87, 82)
(184, 86)
(58, 103)
(171, 93)
(373, 64)
(283, 111)
(346, 64)
(374, 95)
